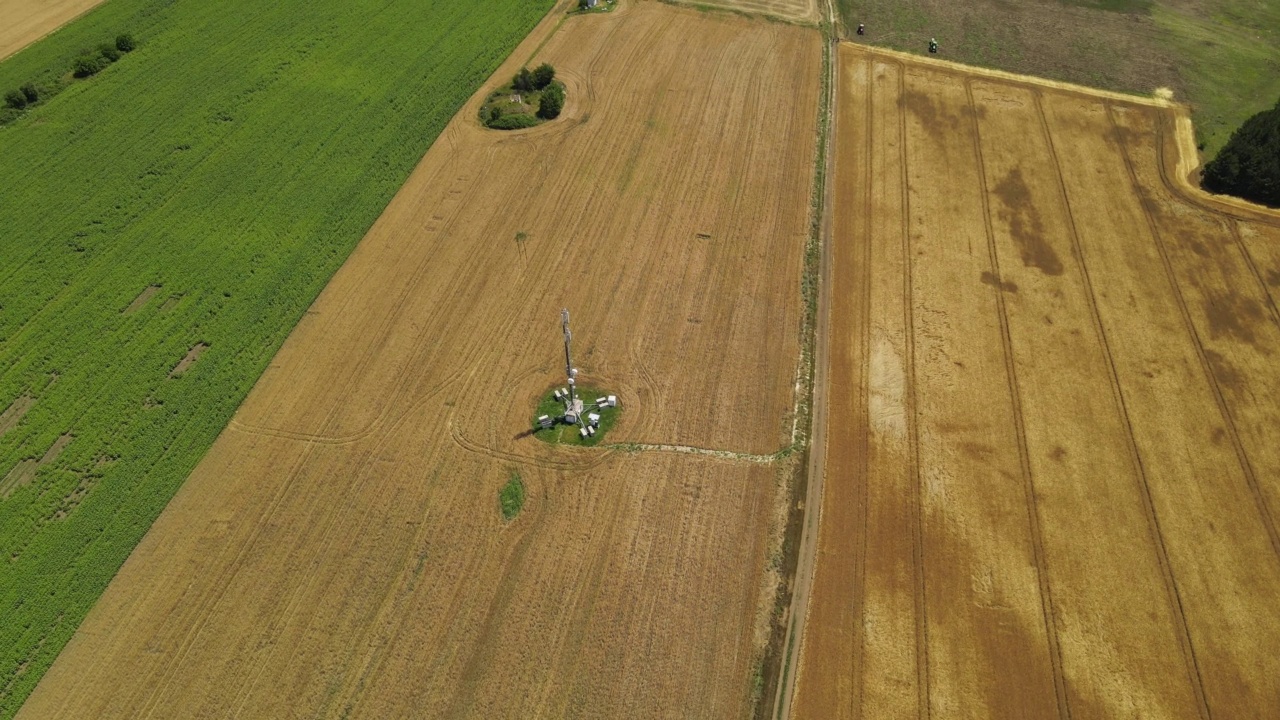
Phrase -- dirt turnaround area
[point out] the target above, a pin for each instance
(341, 552)
(22, 22)
(1052, 474)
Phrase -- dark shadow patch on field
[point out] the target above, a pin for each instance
(1025, 224)
(1225, 373)
(936, 120)
(990, 278)
(1233, 315)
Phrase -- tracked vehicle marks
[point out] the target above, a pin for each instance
(1091, 353)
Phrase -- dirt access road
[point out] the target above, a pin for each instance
(1052, 472)
(340, 551)
(23, 22)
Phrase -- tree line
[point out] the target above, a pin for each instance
(89, 62)
(1249, 164)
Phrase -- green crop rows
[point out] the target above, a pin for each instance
(234, 159)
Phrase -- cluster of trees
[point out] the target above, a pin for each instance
(91, 63)
(540, 80)
(530, 81)
(26, 95)
(552, 102)
(1249, 165)
(88, 63)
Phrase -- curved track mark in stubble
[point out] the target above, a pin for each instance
(385, 326)
(913, 421)
(208, 602)
(1024, 455)
(232, 569)
(1229, 214)
(1197, 197)
(1122, 410)
(1245, 465)
(363, 470)
(313, 439)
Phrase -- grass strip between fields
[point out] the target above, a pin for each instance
(233, 162)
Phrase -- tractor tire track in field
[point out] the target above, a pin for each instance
(1245, 465)
(1024, 459)
(1239, 243)
(864, 396)
(1172, 593)
(912, 416)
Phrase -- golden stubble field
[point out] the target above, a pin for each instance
(340, 551)
(22, 22)
(1052, 468)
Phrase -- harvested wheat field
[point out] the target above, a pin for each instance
(340, 551)
(26, 21)
(1052, 473)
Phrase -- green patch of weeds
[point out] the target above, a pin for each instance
(511, 496)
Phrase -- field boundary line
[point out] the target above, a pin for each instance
(201, 613)
(692, 450)
(814, 352)
(973, 70)
(1019, 423)
(1174, 595)
(924, 708)
(1189, 325)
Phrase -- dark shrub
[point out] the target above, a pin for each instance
(543, 75)
(1249, 165)
(552, 102)
(523, 81)
(30, 92)
(124, 42)
(109, 52)
(87, 65)
(495, 112)
(15, 99)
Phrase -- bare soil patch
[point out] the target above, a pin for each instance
(1051, 479)
(188, 360)
(340, 552)
(25, 471)
(141, 300)
(12, 415)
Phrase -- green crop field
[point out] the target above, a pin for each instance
(234, 159)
